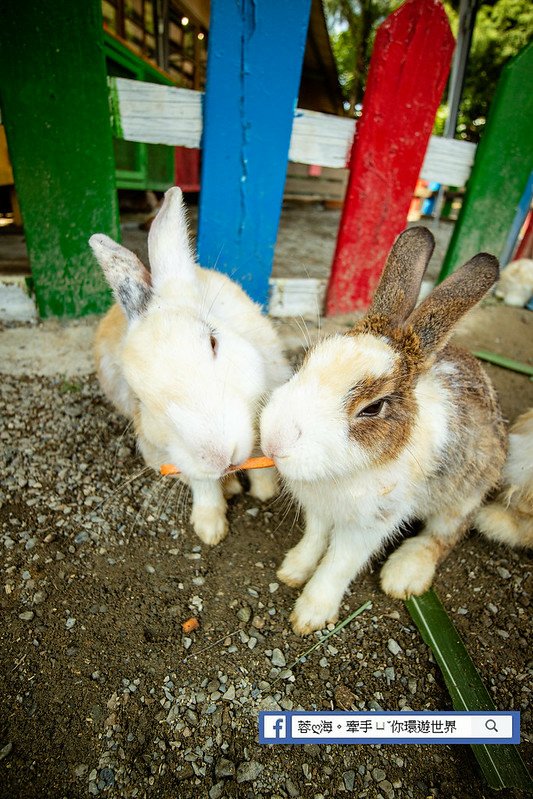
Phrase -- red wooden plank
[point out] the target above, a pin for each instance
(410, 63)
(187, 168)
(525, 248)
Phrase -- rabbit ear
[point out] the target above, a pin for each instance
(128, 278)
(398, 288)
(435, 318)
(169, 248)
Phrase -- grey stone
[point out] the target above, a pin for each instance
(5, 750)
(107, 775)
(230, 693)
(387, 788)
(244, 614)
(292, 788)
(224, 768)
(247, 772)
(216, 791)
(278, 658)
(349, 780)
(393, 647)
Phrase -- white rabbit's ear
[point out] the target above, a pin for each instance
(127, 276)
(436, 316)
(399, 286)
(169, 247)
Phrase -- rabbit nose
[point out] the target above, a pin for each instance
(280, 446)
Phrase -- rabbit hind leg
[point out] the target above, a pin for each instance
(410, 570)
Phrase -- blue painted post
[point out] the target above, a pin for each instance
(254, 65)
(520, 217)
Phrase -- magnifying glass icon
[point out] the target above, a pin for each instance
(490, 724)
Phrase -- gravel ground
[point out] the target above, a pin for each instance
(102, 693)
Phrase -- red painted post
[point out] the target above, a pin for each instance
(525, 248)
(408, 70)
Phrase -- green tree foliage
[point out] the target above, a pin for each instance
(352, 25)
(502, 29)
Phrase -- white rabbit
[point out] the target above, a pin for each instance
(382, 425)
(509, 519)
(515, 286)
(188, 356)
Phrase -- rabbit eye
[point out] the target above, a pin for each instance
(214, 344)
(374, 409)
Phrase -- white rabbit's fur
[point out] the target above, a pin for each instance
(509, 518)
(515, 285)
(189, 357)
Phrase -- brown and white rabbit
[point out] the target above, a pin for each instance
(385, 424)
(188, 356)
(509, 519)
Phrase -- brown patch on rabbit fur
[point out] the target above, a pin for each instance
(478, 458)
(386, 436)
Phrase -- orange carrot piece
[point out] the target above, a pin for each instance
(168, 468)
(190, 625)
(261, 462)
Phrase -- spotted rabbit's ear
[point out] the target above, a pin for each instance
(127, 276)
(169, 247)
(435, 318)
(399, 286)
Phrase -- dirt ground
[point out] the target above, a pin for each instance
(102, 693)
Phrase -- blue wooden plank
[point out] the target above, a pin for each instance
(254, 65)
(519, 219)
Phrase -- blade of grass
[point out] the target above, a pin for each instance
(334, 631)
(501, 763)
(502, 360)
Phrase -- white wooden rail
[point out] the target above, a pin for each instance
(148, 112)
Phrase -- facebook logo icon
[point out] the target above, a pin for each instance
(273, 729)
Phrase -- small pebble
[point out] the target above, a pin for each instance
(349, 780)
(504, 573)
(393, 647)
(230, 693)
(5, 750)
(247, 772)
(244, 614)
(278, 658)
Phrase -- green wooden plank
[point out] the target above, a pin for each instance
(54, 100)
(504, 362)
(503, 163)
(501, 764)
(153, 167)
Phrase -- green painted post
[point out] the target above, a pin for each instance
(504, 160)
(54, 100)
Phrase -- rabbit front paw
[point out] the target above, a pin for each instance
(295, 569)
(231, 486)
(263, 484)
(409, 571)
(210, 524)
(313, 613)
